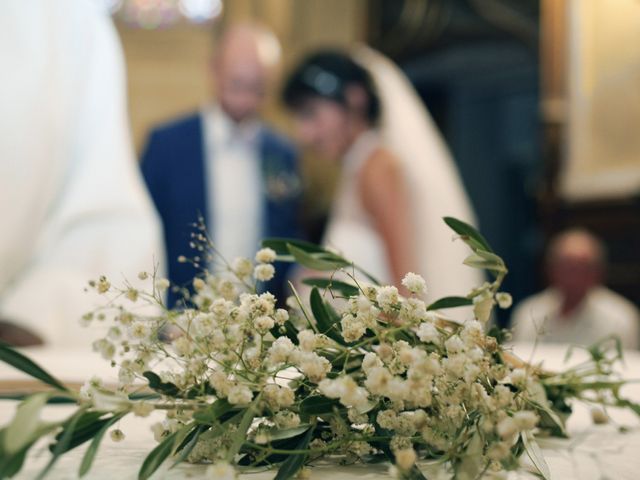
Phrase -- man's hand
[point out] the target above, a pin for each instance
(18, 336)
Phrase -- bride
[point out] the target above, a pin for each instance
(397, 178)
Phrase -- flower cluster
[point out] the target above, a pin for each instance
(357, 373)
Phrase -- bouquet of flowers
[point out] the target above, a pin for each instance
(358, 373)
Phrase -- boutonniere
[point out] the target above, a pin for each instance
(281, 182)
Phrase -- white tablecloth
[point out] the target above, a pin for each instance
(598, 452)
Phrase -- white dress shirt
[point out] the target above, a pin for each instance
(72, 202)
(602, 313)
(235, 185)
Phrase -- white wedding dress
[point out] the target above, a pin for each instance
(434, 186)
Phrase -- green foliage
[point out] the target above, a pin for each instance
(294, 462)
(165, 388)
(450, 302)
(159, 454)
(92, 450)
(327, 320)
(343, 288)
(535, 455)
(468, 234)
(212, 414)
(17, 360)
(317, 405)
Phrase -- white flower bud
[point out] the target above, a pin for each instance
(266, 255)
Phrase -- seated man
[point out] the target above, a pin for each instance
(224, 165)
(73, 202)
(576, 308)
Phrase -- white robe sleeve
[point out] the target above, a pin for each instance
(100, 221)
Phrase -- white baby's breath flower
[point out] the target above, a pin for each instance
(281, 316)
(240, 395)
(387, 297)
(162, 284)
(307, 340)
(370, 361)
(103, 285)
(286, 419)
(314, 366)
(220, 383)
(242, 267)
(414, 283)
(526, 419)
(280, 350)
(221, 470)
(227, 289)
(139, 330)
(428, 333)
(263, 323)
(199, 284)
(504, 300)
(405, 458)
(143, 275)
(454, 345)
(352, 328)
(105, 348)
(498, 451)
(266, 255)
(183, 346)
(264, 272)
(507, 428)
(132, 294)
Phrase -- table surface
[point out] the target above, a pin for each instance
(598, 452)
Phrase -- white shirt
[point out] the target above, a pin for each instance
(234, 177)
(602, 313)
(72, 202)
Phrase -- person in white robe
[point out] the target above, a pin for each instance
(73, 206)
(576, 308)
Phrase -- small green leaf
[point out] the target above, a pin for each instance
(548, 416)
(89, 455)
(346, 289)
(157, 456)
(10, 465)
(294, 462)
(211, 414)
(165, 388)
(86, 427)
(450, 302)
(317, 261)
(316, 405)
(62, 445)
(326, 322)
(288, 433)
(24, 364)
(241, 433)
(469, 234)
(535, 454)
(25, 424)
(281, 245)
(485, 261)
(189, 443)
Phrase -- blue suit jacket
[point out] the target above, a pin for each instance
(173, 165)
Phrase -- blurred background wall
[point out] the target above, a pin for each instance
(520, 89)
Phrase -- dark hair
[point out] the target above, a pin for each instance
(327, 74)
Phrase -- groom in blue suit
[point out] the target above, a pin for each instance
(224, 165)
